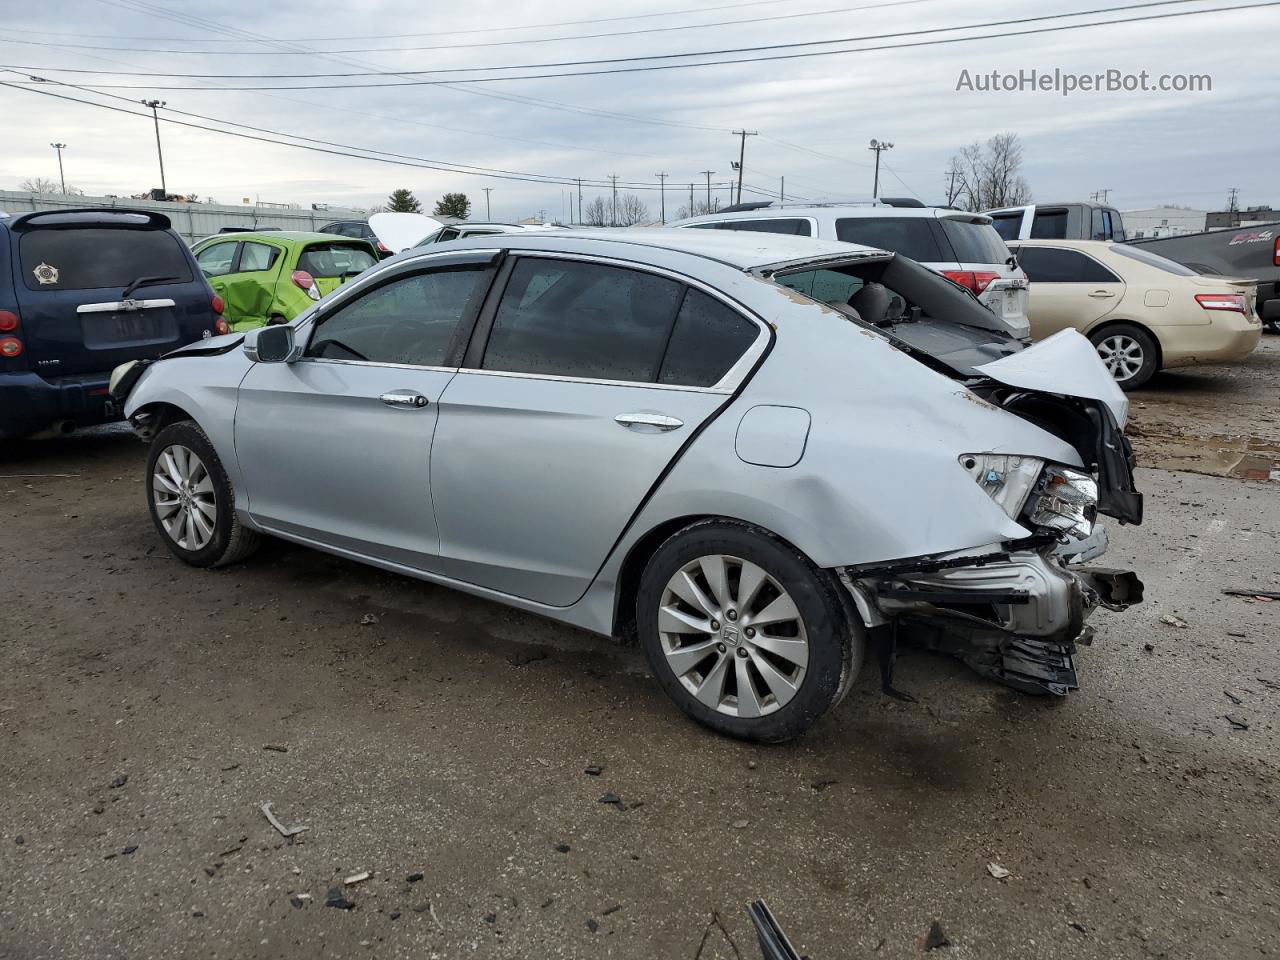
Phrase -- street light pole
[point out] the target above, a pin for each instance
(61, 179)
(662, 192)
(155, 105)
(879, 146)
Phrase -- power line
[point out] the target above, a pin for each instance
(457, 82)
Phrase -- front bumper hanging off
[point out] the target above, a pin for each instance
(1014, 616)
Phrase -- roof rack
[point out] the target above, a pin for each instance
(902, 202)
(751, 205)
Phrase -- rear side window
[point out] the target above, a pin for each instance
(1049, 225)
(568, 319)
(96, 257)
(1154, 260)
(411, 321)
(215, 260)
(707, 340)
(335, 260)
(1007, 225)
(1049, 265)
(974, 242)
(257, 256)
(795, 227)
(827, 286)
(910, 236)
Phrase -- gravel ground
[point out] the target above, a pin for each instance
(451, 738)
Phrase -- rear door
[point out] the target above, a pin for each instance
(584, 381)
(1068, 289)
(71, 274)
(333, 263)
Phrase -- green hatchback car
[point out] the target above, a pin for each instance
(272, 276)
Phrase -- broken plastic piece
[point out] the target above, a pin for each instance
(774, 944)
(271, 818)
(357, 877)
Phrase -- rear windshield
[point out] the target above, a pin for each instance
(975, 242)
(1154, 260)
(1007, 224)
(335, 260)
(97, 257)
(910, 236)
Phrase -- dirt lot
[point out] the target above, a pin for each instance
(449, 739)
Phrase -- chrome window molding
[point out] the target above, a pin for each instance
(718, 389)
(377, 363)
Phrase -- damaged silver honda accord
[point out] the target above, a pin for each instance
(761, 457)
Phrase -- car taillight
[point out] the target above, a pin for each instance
(977, 281)
(1234, 302)
(383, 248)
(10, 347)
(8, 321)
(1275, 258)
(220, 326)
(306, 282)
(217, 304)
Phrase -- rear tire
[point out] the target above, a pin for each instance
(1130, 353)
(191, 501)
(744, 633)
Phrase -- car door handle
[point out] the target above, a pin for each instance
(404, 399)
(1102, 294)
(658, 421)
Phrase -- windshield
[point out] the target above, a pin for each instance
(335, 260)
(92, 257)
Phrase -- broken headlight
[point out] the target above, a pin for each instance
(1041, 495)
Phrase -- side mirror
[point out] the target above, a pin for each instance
(271, 345)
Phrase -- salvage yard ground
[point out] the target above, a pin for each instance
(148, 710)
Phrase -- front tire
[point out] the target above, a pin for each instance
(744, 633)
(191, 500)
(1129, 353)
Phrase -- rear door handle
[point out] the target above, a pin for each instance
(657, 421)
(1102, 294)
(404, 399)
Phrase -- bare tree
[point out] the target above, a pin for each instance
(597, 213)
(990, 175)
(39, 185)
(631, 210)
(953, 178)
(700, 208)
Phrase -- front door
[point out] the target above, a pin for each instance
(591, 380)
(335, 447)
(1068, 289)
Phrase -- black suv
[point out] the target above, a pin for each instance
(360, 230)
(81, 292)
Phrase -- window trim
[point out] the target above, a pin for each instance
(726, 385)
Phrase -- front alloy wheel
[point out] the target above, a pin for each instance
(183, 493)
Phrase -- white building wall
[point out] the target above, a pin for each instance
(1162, 222)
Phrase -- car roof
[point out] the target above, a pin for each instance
(289, 236)
(741, 249)
(879, 210)
(1089, 246)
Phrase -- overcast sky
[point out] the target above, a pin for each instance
(815, 115)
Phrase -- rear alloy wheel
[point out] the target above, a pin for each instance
(1129, 354)
(744, 633)
(191, 501)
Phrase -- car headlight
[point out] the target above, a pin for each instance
(1041, 495)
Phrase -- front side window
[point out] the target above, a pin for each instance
(94, 257)
(414, 320)
(707, 341)
(257, 256)
(1053, 265)
(910, 236)
(215, 260)
(570, 319)
(335, 260)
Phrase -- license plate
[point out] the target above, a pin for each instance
(1011, 303)
(126, 327)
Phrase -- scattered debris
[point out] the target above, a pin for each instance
(936, 937)
(594, 770)
(119, 781)
(1170, 620)
(336, 899)
(368, 620)
(1236, 722)
(1232, 697)
(820, 785)
(129, 849)
(357, 877)
(413, 878)
(395, 914)
(562, 848)
(1256, 594)
(275, 747)
(234, 766)
(298, 902)
(592, 925)
(210, 872)
(1088, 884)
(741, 824)
(547, 902)
(1076, 925)
(1236, 633)
(197, 913)
(1149, 647)
(19, 839)
(526, 656)
(608, 910)
(431, 909)
(98, 808)
(490, 918)
(614, 799)
(271, 818)
(997, 871)
(751, 764)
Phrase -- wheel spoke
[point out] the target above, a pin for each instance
(781, 688)
(749, 583)
(162, 478)
(748, 703)
(672, 620)
(166, 507)
(685, 658)
(713, 569)
(190, 531)
(682, 586)
(173, 524)
(779, 611)
(711, 690)
(793, 651)
(203, 527)
(206, 507)
(171, 467)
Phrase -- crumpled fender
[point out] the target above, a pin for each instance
(1065, 363)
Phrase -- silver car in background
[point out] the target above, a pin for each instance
(655, 435)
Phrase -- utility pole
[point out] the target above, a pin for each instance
(613, 212)
(1100, 196)
(155, 117)
(708, 174)
(1233, 203)
(488, 215)
(879, 146)
(782, 192)
(61, 179)
(579, 200)
(692, 212)
(742, 154)
(662, 192)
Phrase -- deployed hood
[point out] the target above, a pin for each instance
(1065, 363)
(400, 231)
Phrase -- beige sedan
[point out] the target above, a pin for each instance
(1143, 312)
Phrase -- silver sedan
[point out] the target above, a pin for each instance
(764, 458)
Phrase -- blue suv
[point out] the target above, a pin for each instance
(81, 292)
